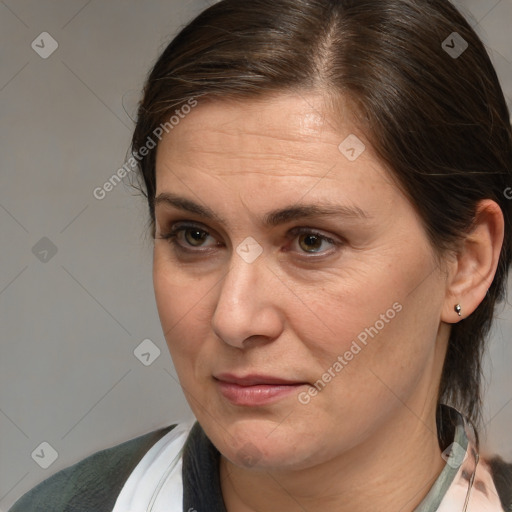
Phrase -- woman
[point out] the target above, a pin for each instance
(326, 182)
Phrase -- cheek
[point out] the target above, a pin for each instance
(377, 331)
(182, 303)
(353, 307)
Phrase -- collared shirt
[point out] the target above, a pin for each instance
(184, 467)
(177, 469)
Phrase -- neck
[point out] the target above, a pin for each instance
(392, 470)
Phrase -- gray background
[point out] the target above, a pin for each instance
(69, 324)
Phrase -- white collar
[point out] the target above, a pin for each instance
(156, 484)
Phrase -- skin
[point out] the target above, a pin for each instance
(300, 304)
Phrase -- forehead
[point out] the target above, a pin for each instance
(301, 114)
(280, 135)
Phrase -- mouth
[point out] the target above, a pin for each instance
(255, 390)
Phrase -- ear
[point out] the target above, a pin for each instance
(474, 265)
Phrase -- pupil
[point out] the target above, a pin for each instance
(197, 235)
(310, 241)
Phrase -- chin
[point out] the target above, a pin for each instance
(263, 444)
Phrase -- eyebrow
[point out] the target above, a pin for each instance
(271, 219)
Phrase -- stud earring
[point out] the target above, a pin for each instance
(458, 309)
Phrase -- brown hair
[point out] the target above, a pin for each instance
(439, 121)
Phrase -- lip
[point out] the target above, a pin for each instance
(255, 379)
(255, 390)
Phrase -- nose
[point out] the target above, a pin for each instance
(247, 308)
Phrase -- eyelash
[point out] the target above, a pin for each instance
(176, 229)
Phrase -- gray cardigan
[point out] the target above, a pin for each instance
(92, 484)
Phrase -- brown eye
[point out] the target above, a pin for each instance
(188, 238)
(313, 242)
(310, 242)
(194, 236)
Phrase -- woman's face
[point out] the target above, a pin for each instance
(297, 335)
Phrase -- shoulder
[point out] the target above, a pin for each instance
(91, 484)
(502, 476)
